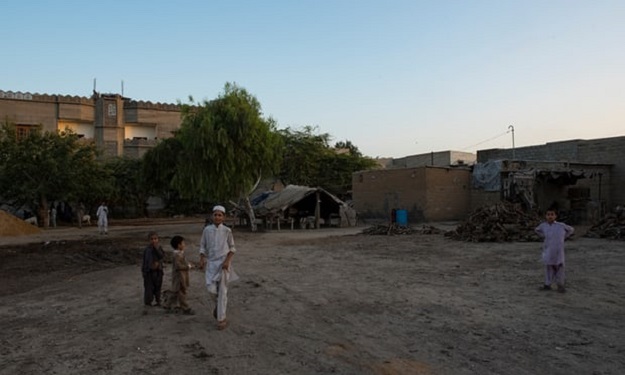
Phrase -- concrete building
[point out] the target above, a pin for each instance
(119, 126)
(605, 156)
(427, 193)
(434, 159)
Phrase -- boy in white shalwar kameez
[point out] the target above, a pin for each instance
(216, 252)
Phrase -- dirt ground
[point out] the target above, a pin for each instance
(311, 302)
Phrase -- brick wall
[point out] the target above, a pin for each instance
(447, 194)
(601, 151)
(428, 194)
(439, 159)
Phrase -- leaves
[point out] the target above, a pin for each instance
(45, 166)
(225, 145)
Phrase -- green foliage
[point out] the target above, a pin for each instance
(309, 160)
(226, 146)
(129, 188)
(160, 165)
(45, 166)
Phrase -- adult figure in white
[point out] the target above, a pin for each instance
(103, 221)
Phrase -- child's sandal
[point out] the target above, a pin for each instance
(221, 325)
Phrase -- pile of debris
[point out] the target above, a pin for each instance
(501, 222)
(611, 227)
(395, 229)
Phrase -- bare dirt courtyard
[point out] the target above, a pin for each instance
(311, 302)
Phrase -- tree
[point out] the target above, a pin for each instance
(303, 155)
(309, 160)
(41, 167)
(129, 188)
(227, 145)
(160, 165)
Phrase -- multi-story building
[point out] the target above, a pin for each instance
(119, 126)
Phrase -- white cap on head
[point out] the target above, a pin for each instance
(219, 208)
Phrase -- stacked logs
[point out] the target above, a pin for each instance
(395, 229)
(611, 226)
(501, 222)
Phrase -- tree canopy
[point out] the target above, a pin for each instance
(42, 167)
(309, 160)
(226, 145)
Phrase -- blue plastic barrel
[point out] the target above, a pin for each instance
(401, 218)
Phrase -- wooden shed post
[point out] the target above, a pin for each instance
(317, 209)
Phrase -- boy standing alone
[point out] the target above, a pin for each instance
(179, 277)
(554, 233)
(216, 252)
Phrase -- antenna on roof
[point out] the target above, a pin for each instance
(94, 85)
(122, 87)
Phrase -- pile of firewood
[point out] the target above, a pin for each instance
(611, 226)
(395, 229)
(501, 222)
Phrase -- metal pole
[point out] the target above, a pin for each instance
(511, 129)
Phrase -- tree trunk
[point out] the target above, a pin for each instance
(43, 212)
(250, 213)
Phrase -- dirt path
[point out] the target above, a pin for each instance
(314, 302)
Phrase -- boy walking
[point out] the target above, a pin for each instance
(179, 277)
(554, 233)
(216, 252)
(152, 269)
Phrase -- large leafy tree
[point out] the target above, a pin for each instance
(40, 167)
(303, 155)
(310, 160)
(129, 188)
(226, 146)
(160, 165)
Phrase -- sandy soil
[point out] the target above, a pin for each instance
(311, 302)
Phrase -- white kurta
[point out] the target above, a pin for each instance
(103, 220)
(215, 244)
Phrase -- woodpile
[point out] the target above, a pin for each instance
(611, 227)
(395, 229)
(502, 222)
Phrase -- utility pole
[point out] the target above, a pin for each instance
(511, 129)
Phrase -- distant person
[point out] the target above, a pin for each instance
(216, 252)
(80, 212)
(103, 221)
(554, 233)
(152, 269)
(53, 217)
(179, 278)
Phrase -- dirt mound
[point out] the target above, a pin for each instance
(497, 223)
(12, 226)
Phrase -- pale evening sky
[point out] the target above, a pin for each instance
(395, 77)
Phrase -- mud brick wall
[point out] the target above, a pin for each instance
(439, 159)
(427, 193)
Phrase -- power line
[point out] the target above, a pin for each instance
(487, 140)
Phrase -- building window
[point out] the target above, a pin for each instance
(22, 131)
(112, 110)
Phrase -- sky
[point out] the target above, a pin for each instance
(394, 77)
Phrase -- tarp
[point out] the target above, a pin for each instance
(487, 176)
(271, 203)
(279, 201)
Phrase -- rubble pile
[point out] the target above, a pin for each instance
(611, 227)
(395, 229)
(501, 222)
